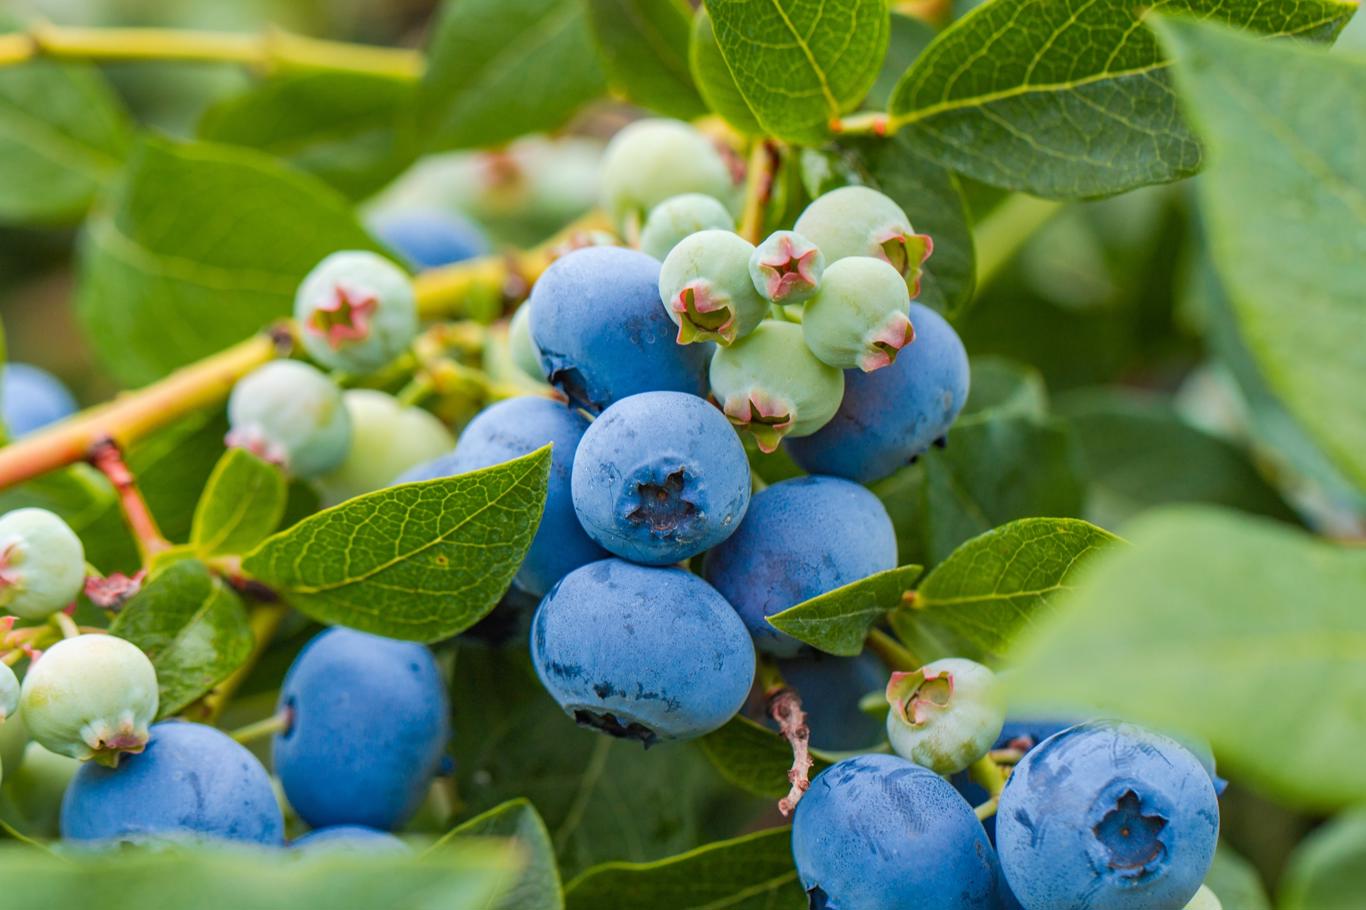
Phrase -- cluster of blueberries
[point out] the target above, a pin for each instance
(664, 359)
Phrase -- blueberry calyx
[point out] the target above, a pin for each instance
(661, 505)
(914, 694)
(788, 270)
(609, 723)
(703, 315)
(346, 317)
(767, 417)
(886, 342)
(907, 254)
(1131, 837)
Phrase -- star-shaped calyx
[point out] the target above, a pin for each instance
(885, 342)
(767, 417)
(703, 314)
(917, 695)
(907, 254)
(1131, 836)
(344, 317)
(789, 267)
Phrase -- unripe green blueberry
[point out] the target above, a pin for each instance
(13, 739)
(859, 221)
(651, 160)
(90, 697)
(290, 414)
(860, 316)
(34, 788)
(356, 311)
(705, 287)
(786, 268)
(770, 384)
(9, 693)
(678, 217)
(945, 715)
(42, 563)
(1205, 899)
(525, 354)
(387, 438)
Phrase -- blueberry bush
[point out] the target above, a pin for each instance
(567, 454)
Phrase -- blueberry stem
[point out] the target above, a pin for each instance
(65, 624)
(785, 707)
(264, 620)
(988, 775)
(268, 726)
(894, 654)
(108, 460)
(764, 158)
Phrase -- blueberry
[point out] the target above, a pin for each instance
(945, 715)
(351, 839)
(32, 398)
(859, 221)
(524, 352)
(660, 477)
(642, 653)
(801, 538)
(9, 693)
(1022, 733)
(512, 428)
(679, 216)
(387, 439)
(596, 319)
(429, 238)
(191, 782)
(368, 728)
(706, 289)
(1107, 816)
(652, 160)
(890, 416)
(770, 384)
(13, 739)
(42, 563)
(289, 413)
(860, 316)
(786, 268)
(877, 832)
(91, 696)
(356, 312)
(832, 690)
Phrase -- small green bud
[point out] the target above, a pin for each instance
(42, 563)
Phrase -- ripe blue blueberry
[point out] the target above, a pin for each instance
(350, 839)
(428, 238)
(42, 563)
(945, 715)
(889, 417)
(877, 832)
(801, 538)
(1020, 734)
(770, 384)
(660, 477)
(786, 268)
(507, 430)
(90, 697)
(832, 690)
(356, 311)
(706, 290)
(524, 352)
(32, 398)
(652, 160)
(859, 316)
(387, 439)
(596, 319)
(680, 216)
(368, 728)
(642, 653)
(859, 221)
(292, 415)
(192, 782)
(1107, 816)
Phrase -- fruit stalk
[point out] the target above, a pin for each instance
(892, 653)
(763, 163)
(785, 707)
(108, 460)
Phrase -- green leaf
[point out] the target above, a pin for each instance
(601, 798)
(1328, 869)
(838, 621)
(909, 36)
(994, 586)
(349, 129)
(1069, 99)
(1139, 453)
(467, 875)
(63, 136)
(997, 467)
(173, 466)
(193, 628)
(753, 872)
(754, 758)
(1227, 627)
(199, 246)
(929, 194)
(643, 46)
(1286, 214)
(801, 65)
(243, 501)
(498, 69)
(420, 561)
(714, 80)
(1002, 387)
(537, 885)
(1235, 881)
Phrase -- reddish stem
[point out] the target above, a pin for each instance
(785, 707)
(107, 458)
